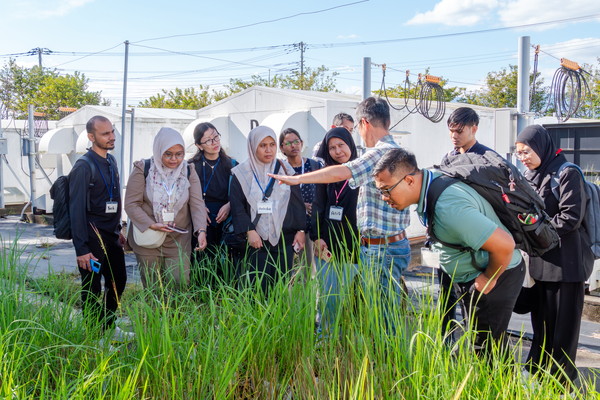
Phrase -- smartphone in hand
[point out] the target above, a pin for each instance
(95, 266)
(178, 230)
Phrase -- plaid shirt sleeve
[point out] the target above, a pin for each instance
(375, 217)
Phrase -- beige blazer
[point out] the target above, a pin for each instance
(139, 210)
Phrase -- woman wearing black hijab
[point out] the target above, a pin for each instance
(559, 274)
(335, 233)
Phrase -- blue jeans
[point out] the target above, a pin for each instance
(386, 262)
(335, 282)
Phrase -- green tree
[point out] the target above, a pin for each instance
(591, 103)
(187, 99)
(313, 79)
(45, 88)
(500, 91)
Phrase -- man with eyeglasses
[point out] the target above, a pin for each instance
(384, 246)
(95, 211)
(488, 278)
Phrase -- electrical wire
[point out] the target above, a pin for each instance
(431, 96)
(254, 23)
(567, 92)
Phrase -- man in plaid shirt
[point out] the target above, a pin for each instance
(384, 245)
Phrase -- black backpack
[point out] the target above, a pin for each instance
(517, 205)
(59, 192)
(592, 214)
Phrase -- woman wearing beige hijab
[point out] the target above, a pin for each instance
(279, 231)
(162, 198)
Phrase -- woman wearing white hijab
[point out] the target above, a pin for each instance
(280, 229)
(168, 196)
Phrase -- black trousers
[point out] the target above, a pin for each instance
(448, 297)
(491, 312)
(556, 320)
(267, 264)
(209, 266)
(99, 309)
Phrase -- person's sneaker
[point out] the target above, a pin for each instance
(122, 336)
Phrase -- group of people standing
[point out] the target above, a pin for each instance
(346, 213)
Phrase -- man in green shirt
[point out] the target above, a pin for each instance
(488, 287)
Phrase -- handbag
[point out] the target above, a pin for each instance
(238, 241)
(149, 239)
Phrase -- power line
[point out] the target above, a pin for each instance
(89, 55)
(558, 21)
(254, 23)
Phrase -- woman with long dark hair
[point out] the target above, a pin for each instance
(213, 167)
(557, 296)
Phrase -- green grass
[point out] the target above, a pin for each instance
(225, 343)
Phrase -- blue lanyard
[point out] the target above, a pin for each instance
(423, 218)
(204, 174)
(109, 189)
(264, 192)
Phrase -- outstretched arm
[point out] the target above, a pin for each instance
(334, 173)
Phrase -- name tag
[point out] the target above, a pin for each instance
(111, 207)
(336, 213)
(168, 216)
(430, 258)
(265, 207)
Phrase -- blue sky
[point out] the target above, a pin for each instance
(335, 33)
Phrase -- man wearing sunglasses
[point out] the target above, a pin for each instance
(487, 278)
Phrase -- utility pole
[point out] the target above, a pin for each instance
(39, 51)
(123, 114)
(522, 84)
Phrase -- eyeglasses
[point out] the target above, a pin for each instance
(387, 192)
(179, 155)
(292, 143)
(522, 154)
(213, 140)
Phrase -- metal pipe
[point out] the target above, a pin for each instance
(366, 77)
(123, 113)
(2, 205)
(522, 85)
(31, 157)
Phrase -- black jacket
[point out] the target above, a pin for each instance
(295, 217)
(573, 260)
(84, 186)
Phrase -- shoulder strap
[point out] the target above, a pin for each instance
(87, 159)
(555, 181)
(146, 167)
(314, 164)
(437, 186)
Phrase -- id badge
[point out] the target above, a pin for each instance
(111, 207)
(336, 213)
(430, 258)
(265, 207)
(168, 216)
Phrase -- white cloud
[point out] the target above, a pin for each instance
(519, 12)
(351, 36)
(582, 51)
(456, 13)
(43, 9)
